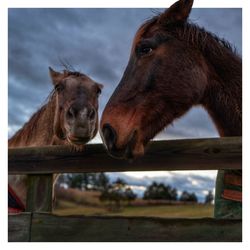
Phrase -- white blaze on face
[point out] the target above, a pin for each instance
(83, 113)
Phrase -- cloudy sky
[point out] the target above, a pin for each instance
(97, 42)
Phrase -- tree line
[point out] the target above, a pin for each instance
(119, 191)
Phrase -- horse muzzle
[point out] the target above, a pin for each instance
(127, 151)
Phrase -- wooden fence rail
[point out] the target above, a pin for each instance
(189, 154)
(41, 162)
(52, 228)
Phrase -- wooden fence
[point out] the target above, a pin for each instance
(39, 224)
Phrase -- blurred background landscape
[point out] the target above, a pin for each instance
(96, 194)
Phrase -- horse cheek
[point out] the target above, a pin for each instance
(59, 130)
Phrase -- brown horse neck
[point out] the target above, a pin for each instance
(223, 96)
(38, 130)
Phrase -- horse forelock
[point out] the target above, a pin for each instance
(74, 73)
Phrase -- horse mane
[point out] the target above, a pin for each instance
(26, 131)
(69, 70)
(73, 73)
(193, 34)
(204, 40)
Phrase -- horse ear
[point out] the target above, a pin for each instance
(100, 85)
(178, 12)
(99, 88)
(55, 76)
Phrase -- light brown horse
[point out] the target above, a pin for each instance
(69, 117)
(173, 66)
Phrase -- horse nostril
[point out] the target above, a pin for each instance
(109, 136)
(91, 114)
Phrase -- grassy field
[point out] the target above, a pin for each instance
(76, 202)
(165, 211)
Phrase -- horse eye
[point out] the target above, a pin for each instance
(59, 87)
(144, 50)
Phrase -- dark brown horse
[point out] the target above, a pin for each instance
(69, 117)
(174, 65)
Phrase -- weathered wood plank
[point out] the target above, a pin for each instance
(195, 154)
(19, 227)
(39, 193)
(51, 228)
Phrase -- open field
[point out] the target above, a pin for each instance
(164, 211)
(75, 202)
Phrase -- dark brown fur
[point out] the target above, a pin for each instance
(183, 66)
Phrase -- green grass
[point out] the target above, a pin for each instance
(164, 211)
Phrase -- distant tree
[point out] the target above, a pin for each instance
(129, 195)
(209, 197)
(105, 193)
(78, 181)
(151, 191)
(102, 181)
(186, 196)
(117, 192)
(114, 196)
(87, 181)
(193, 197)
(159, 191)
(173, 194)
(120, 182)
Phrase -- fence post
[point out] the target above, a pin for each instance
(39, 193)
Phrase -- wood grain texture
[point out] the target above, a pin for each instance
(19, 227)
(39, 193)
(188, 154)
(51, 228)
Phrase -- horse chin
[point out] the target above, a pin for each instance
(138, 151)
(131, 151)
(128, 153)
(78, 141)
